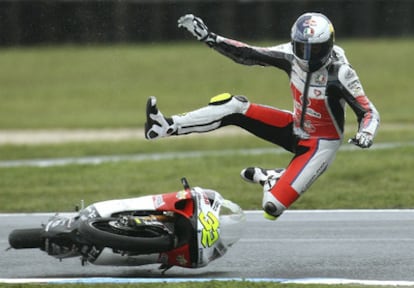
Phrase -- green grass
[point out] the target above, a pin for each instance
(357, 179)
(107, 86)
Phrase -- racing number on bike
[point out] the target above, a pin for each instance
(210, 229)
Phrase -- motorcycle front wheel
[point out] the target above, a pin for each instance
(146, 240)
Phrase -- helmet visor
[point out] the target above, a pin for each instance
(311, 51)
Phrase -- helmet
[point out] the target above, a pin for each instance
(312, 40)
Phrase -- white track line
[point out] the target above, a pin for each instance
(94, 160)
(101, 280)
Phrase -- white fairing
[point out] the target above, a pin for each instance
(232, 221)
(107, 208)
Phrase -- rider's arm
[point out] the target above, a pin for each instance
(243, 53)
(367, 115)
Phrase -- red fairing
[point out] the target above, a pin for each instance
(177, 257)
(180, 202)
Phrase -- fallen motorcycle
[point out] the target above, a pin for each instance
(189, 228)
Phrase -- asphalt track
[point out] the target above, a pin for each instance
(318, 246)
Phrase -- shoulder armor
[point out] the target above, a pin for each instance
(349, 79)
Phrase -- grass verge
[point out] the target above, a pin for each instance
(357, 179)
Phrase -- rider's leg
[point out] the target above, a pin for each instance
(201, 120)
(268, 123)
(312, 158)
(211, 117)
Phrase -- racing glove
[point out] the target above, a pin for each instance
(362, 139)
(196, 26)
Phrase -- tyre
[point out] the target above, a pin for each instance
(148, 239)
(26, 238)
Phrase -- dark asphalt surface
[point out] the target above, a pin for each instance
(349, 244)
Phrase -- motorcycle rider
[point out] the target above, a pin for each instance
(322, 82)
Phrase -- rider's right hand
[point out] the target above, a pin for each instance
(195, 26)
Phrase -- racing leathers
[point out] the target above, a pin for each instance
(314, 130)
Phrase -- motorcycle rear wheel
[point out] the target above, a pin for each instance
(26, 238)
(101, 234)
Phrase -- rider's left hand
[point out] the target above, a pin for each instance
(362, 139)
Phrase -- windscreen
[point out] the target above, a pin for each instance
(232, 221)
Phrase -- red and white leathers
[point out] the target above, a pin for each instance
(313, 131)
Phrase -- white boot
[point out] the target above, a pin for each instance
(157, 125)
(259, 175)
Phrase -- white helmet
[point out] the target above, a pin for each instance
(312, 40)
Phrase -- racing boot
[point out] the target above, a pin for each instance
(157, 125)
(259, 175)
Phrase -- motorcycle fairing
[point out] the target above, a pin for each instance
(199, 229)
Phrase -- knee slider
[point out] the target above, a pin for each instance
(237, 103)
(220, 99)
